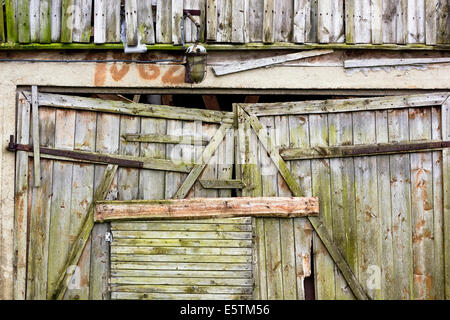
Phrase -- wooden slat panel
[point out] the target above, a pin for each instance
(82, 21)
(254, 25)
(180, 258)
(23, 17)
(180, 266)
(183, 281)
(11, 20)
(324, 21)
(182, 273)
(362, 33)
(181, 235)
(164, 21)
(342, 181)
(312, 22)
(185, 226)
(224, 18)
(211, 22)
(56, 11)
(337, 32)
(67, 20)
(182, 242)
(183, 250)
(300, 19)
(445, 128)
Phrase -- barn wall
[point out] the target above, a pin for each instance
(110, 75)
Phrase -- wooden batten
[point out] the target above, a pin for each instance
(206, 208)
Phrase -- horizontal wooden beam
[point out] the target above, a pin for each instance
(131, 108)
(346, 105)
(222, 184)
(361, 150)
(164, 138)
(205, 208)
(369, 63)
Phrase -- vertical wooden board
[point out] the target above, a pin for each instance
(211, 20)
(45, 21)
(188, 25)
(190, 29)
(445, 116)
(299, 137)
(174, 153)
(164, 21)
(131, 15)
(350, 21)
(343, 200)
(40, 213)
(82, 194)
(107, 142)
(401, 206)
(300, 17)
(225, 163)
(237, 21)
(384, 207)
(128, 178)
(324, 21)
(312, 23)
(82, 21)
(416, 21)
(376, 7)
(337, 32)
(320, 172)
(21, 201)
(100, 21)
(268, 21)
(402, 22)
(2, 25)
(283, 20)
(443, 35)
(436, 134)
(145, 27)
(23, 17)
(11, 20)
(391, 14)
(67, 20)
(191, 154)
(113, 21)
(288, 266)
(56, 11)
(223, 20)
(151, 182)
(177, 17)
(255, 20)
(431, 21)
(272, 234)
(34, 20)
(366, 203)
(422, 206)
(362, 21)
(59, 241)
(210, 171)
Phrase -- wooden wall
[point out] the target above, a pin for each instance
(228, 21)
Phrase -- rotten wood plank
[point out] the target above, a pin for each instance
(221, 184)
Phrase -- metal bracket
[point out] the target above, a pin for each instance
(108, 237)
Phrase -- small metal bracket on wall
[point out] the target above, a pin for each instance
(108, 237)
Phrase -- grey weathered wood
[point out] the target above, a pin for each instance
(263, 62)
(443, 35)
(163, 138)
(368, 63)
(145, 27)
(211, 22)
(431, 19)
(238, 21)
(177, 16)
(301, 14)
(376, 7)
(268, 26)
(163, 21)
(350, 21)
(324, 21)
(82, 21)
(416, 21)
(222, 184)
(131, 17)
(67, 20)
(23, 16)
(337, 32)
(35, 128)
(445, 114)
(56, 11)
(224, 20)
(113, 21)
(34, 20)
(100, 21)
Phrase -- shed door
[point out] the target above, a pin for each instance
(380, 168)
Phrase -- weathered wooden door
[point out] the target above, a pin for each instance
(380, 168)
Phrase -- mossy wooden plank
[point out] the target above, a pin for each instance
(23, 18)
(59, 243)
(401, 207)
(186, 226)
(168, 296)
(180, 266)
(21, 202)
(422, 214)
(227, 235)
(443, 35)
(179, 258)
(342, 182)
(11, 21)
(183, 281)
(222, 184)
(182, 250)
(56, 16)
(82, 21)
(131, 14)
(182, 273)
(350, 21)
(182, 243)
(145, 26)
(384, 192)
(366, 205)
(438, 201)
(190, 289)
(67, 20)
(45, 21)
(82, 195)
(446, 192)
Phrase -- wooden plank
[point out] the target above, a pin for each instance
(100, 21)
(174, 153)
(368, 63)
(177, 16)
(202, 161)
(301, 15)
(431, 21)
(222, 184)
(181, 266)
(376, 7)
(163, 21)
(283, 21)
(362, 21)
(445, 114)
(342, 182)
(186, 258)
(443, 35)
(23, 16)
(238, 21)
(262, 62)
(366, 204)
(11, 20)
(61, 199)
(67, 20)
(189, 251)
(311, 22)
(422, 206)
(126, 234)
(401, 207)
(337, 32)
(35, 128)
(182, 289)
(113, 21)
(2, 25)
(211, 22)
(391, 14)
(21, 202)
(181, 243)
(131, 16)
(45, 21)
(82, 21)
(402, 22)
(254, 25)
(187, 226)
(40, 214)
(224, 18)
(361, 150)
(415, 21)
(183, 281)
(226, 165)
(145, 27)
(168, 296)
(82, 195)
(206, 208)
(345, 105)
(135, 109)
(324, 21)
(350, 21)
(268, 23)
(34, 20)
(211, 102)
(56, 16)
